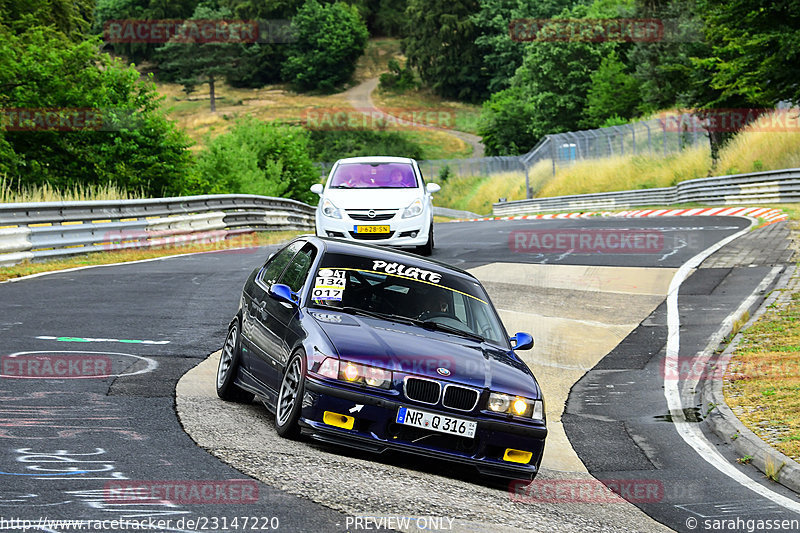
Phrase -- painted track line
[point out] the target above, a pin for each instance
(688, 431)
(769, 214)
(138, 261)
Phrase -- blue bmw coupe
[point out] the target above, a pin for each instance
(378, 349)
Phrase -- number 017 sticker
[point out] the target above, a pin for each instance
(329, 285)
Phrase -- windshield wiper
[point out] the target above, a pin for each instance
(430, 324)
(382, 316)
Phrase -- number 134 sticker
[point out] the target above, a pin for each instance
(329, 285)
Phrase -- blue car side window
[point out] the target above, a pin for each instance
(296, 273)
(275, 266)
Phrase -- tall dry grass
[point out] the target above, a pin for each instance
(629, 172)
(770, 143)
(478, 193)
(11, 192)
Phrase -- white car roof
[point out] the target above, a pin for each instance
(376, 159)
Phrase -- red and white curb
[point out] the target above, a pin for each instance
(765, 213)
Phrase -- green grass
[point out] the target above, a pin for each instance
(447, 113)
(763, 378)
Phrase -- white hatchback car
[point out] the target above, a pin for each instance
(383, 200)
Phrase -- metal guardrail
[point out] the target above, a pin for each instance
(453, 213)
(58, 229)
(774, 186)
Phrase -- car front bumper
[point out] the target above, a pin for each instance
(401, 229)
(375, 430)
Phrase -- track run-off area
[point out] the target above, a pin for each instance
(618, 307)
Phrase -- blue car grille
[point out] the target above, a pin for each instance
(460, 398)
(422, 390)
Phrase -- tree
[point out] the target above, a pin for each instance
(193, 63)
(72, 18)
(548, 92)
(440, 44)
(139, 10)
(255, 157)
(502, 54)
(757, 48)
(612, 93)
(389, 18)
(506, 123)
(664, 69)
(260, 63)
(556, 77)
(113, 130)
(329, 40)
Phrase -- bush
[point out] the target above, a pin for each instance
(330, 145)
(613, 94)
(505, 123)
(256, 157)
(135, 147)
(398, 80)
(330, 39)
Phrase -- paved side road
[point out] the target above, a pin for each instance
(618, 421)
(360, 97)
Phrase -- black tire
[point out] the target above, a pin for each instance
(427, 248)
(229, 361)
(290, 397)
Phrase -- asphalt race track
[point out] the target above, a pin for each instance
(73, 438)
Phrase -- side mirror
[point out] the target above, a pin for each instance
(432, 188)
(317, 188)
(283, 293)
(522, 341)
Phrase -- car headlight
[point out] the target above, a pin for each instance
(329, 368)
(516, 405)
(413, 210)
(330, 210)
(356, 373)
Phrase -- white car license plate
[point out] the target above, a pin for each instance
(436, 422)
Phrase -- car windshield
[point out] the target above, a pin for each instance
(430, 298)
(373, 176)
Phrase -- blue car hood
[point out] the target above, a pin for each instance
(415, 350)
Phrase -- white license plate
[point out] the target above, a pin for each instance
(436, 422)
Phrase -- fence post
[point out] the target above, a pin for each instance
(527, 184)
